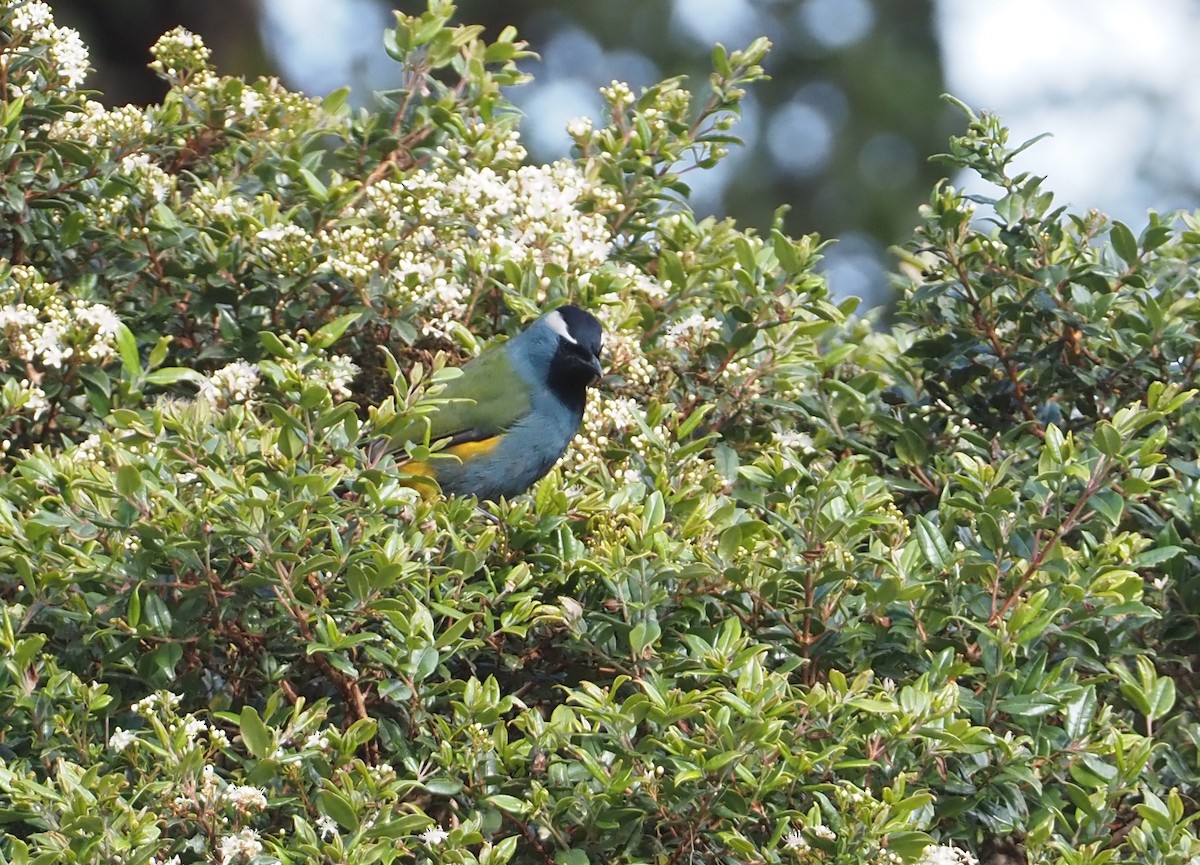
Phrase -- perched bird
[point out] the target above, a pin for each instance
(516, 407)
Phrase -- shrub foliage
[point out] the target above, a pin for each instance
(802, 591)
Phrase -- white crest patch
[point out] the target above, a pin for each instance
(558, 324)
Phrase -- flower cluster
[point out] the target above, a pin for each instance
(936, 854)
(118, 129)
(35, 33)
(485, 144)
(304, 366)
(213, 203)
(603, 418)
(157, 183)
(242, 846)
(150, 705)
(335, 375)
(181, 55)
(636, 282)
(21, 396)
(692, 332)
(618, 94)
(285, 247)
(627, 360)
(447, 227)
(232, 384)
(38, 325)
(267, 109)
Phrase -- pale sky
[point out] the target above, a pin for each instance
(1112, 81)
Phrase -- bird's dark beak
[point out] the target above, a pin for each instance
(596, 368)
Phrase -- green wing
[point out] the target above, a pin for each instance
(493, 397)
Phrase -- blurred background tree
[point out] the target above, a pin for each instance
(840, 134)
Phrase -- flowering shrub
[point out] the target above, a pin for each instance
(801, 592)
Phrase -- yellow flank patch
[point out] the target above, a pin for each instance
(425, 470)
(464, 452)
(467, 450)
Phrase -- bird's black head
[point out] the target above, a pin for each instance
(576, 362)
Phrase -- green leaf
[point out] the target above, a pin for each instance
(318, 190)
(989, 531)
(133, 612)
(1110, 505)
(1124, 243)
(258, 738)
(159, 353)
(128, 350)
(1079, 713)
(27, 649)
(910, 448)
(909, 845)
(333, 103)
(1162, 698)
(156, 613)
(273, 344)
(169, 375)
(442, 786)
(454, 633)
(333, 804)
(571, 857)
(330, 333)
(500, 852)
(511, 804)
(129, 480)
(163, 661)
(933, 546)
(1108, 440)
(1156, 556)
(644, 635)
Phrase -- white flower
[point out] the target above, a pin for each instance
(156, 183)
(208, 784)
(692, 330)
(316, 742)
(64, 47)
(121, 739)
(91, 449)
(580, 127)
(251, 101)
(327, 826)
(937, 855)
(243, 846)
(335, 375)
(231, 384)
(32, 17)
(70, 55)
(434, 835)
(31, 398)
(245, 798)
(794, 840)
(796, 441)
(382, 772)
(618, 93)
(193, 727)
(102, 324)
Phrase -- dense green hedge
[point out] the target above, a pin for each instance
(803, 591)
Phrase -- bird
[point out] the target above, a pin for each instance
(514, 410)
